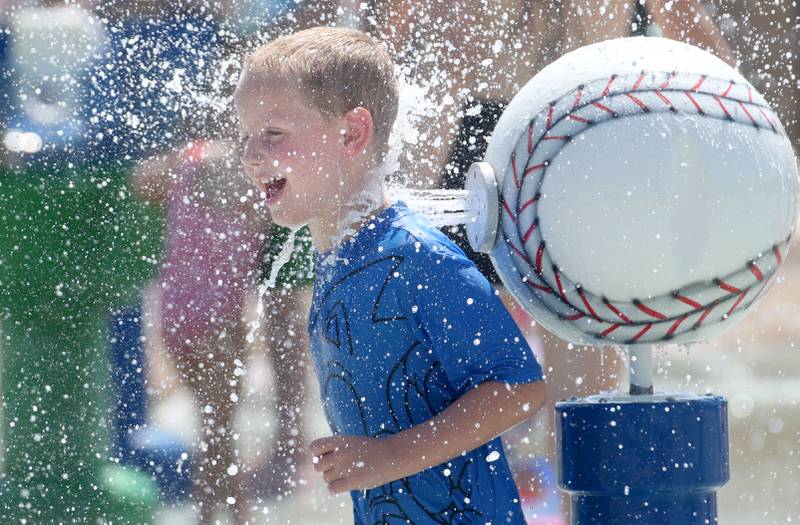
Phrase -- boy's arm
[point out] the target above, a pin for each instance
(480, 415)
(152, 179)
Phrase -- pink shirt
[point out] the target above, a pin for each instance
(211, 262)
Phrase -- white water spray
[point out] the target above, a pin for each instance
(441, 207)
(280, 261)
(416, 104)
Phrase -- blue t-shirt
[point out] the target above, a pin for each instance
(402, 324)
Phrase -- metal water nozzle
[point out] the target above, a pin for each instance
(483, 207)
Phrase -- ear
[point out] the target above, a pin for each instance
(358, 131)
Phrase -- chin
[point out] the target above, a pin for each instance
(286, 220)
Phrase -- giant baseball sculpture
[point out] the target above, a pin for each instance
(638, 192)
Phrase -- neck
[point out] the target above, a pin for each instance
(347, 219)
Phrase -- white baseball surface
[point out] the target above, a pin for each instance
(648, 194)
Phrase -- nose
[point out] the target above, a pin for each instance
(250, 157)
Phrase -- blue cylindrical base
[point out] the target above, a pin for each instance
(643, 459)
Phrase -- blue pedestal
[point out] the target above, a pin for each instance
(655, 460)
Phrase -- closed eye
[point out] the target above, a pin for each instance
(265, 137)
(273, 134)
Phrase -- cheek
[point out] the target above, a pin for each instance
(294, 158)
(282, 155)
(325, 148)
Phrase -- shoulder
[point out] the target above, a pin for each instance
(418, 242)
(428, 263)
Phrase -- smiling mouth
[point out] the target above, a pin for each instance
(274, 188)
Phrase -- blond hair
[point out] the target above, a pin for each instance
(338, 70)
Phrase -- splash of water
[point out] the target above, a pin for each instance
(441, 207)
(280, 261)
(417, 105)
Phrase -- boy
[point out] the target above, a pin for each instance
(420, 366)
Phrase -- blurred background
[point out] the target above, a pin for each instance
(134, 255)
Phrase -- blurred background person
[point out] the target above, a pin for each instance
(213, 239)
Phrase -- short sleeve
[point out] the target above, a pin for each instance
(356, 518)
(469, 329)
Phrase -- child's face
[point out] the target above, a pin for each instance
(292, 152)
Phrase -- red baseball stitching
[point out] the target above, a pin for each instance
(529, 202)
(509, 212)
(553, 117)
(690, 302)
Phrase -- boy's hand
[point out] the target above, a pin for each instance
(354, 462)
